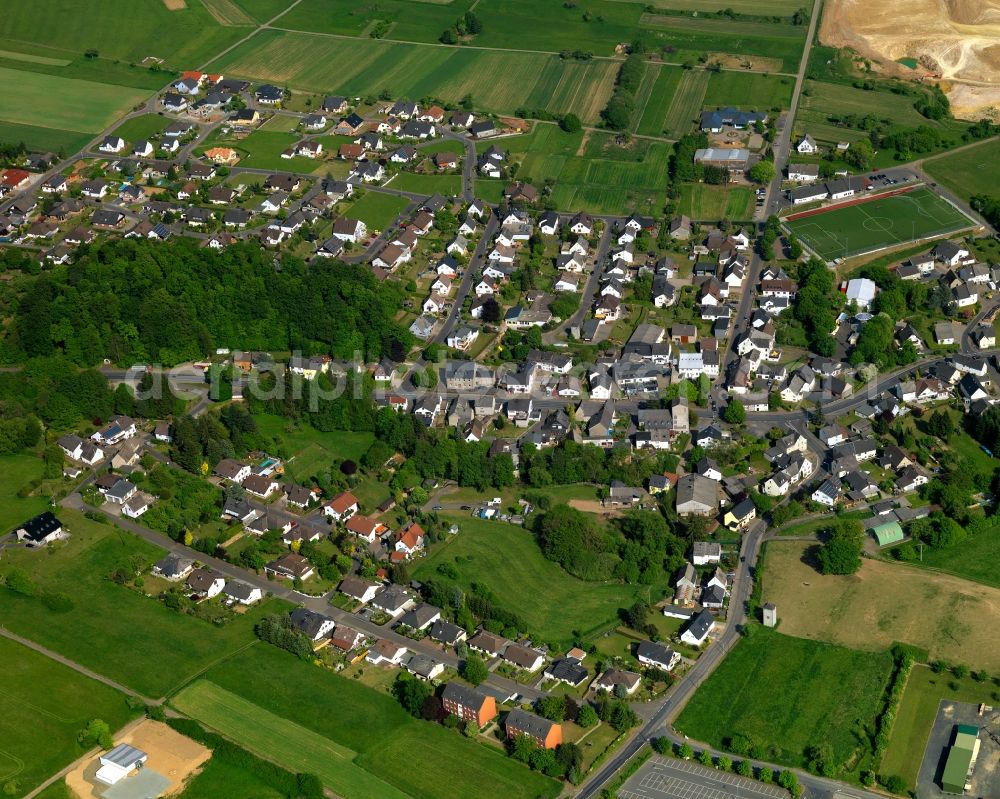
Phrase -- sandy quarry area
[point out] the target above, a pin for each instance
(171, 754)
(957, 39)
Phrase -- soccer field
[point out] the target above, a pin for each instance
(877, 224)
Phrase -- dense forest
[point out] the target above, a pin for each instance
(133, 300)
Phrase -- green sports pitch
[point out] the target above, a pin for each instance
(877, 224)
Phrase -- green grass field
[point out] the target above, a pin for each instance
(219, 778)
(654, 112)
(43, 705)
(377, 210)
(117, 29)
(279, 739)
(31, 98)
(879, 223)
(18, 470)
(448, 185)
(917, 711)
(686, 104)
(410, 21)
(310, 449)
(262, 150)
(142, 127)
(506, 559)
(772, 7)
(967, 172)
(51, 139)
(149, 648)
(703, 201)
(532, 80)
(373, 724)
(975, 558)
(787, 694)
(750, 90)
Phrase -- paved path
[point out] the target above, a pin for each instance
(75, 666)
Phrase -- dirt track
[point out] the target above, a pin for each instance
(960, 37)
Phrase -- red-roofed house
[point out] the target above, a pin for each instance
(410, 540)
(14, 179)
(342, 507)
(366, 528)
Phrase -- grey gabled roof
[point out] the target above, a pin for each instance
(701, 624)
(654, 651)
(308, 621)
(463, 695)
(527, 723)
(123, 755)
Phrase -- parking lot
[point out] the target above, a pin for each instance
(986, 777)
(683, 779)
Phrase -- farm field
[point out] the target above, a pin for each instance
(262, 10)
(367, 721)
(284, 741)
(309, 449)
(873, 225)
(218, 777)
(532, 80)
(18, 470)
(771, 7)
(702, 35)
(378, 211)
(505, 558)
(883, 603)
(43, 705)
(967, 172)
(447, 185)
(31, 98)
(917, 711)
(118, 31)
(752, 91)
(150, 648)
(50, 139)
(409, 21)
(704, 201)
(686, 104)
(654, 112)
(786, 694)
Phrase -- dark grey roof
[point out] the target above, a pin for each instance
(42, 525)
(238, 590)
(701, 624)
(528, 723)
(446, 632)
(463, 695)
(173, 565)
(308, 621)
(420, 616)
(654, 651)
(568, 670)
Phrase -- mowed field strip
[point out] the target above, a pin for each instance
(878, 223)
(971, 171)
(687, 103)
(284, 741)
(954, 619)
(31, 98)
(769, 7)
(498, 81)
(654, 113)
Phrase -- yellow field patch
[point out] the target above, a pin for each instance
(175, 5)
(954, 619)
(225, 12)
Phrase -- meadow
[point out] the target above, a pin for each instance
(974, 559)
(148, 648)
(378, 211)
(712, 203)
(373, 724)
(44, 139)
(287, 743)
(219, 778)
(31, 98)
(786, 694)
(882, 603)
(507, 560)
(410, 21)
(308, 449)
(448, 185)
(368, 66)
(262, 150)
(971, 171)
(18, 471)
(141, 127)
(783, 8)
(879, 223)
(753, 91)
(117, 29)
(43, 705)
(917, 711)
(686, 104)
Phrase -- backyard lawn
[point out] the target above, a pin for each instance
(17, 471)
(149, 648)
(308, 449)
(378, 211)
(43, 705)
(505, 558)
(141, 127)
(786, 694)
(351, 716)
(712, 203)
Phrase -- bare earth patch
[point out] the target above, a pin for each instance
(593, 506)
(175, 5)
(956, 41)
(171, 754)
(954, 619)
